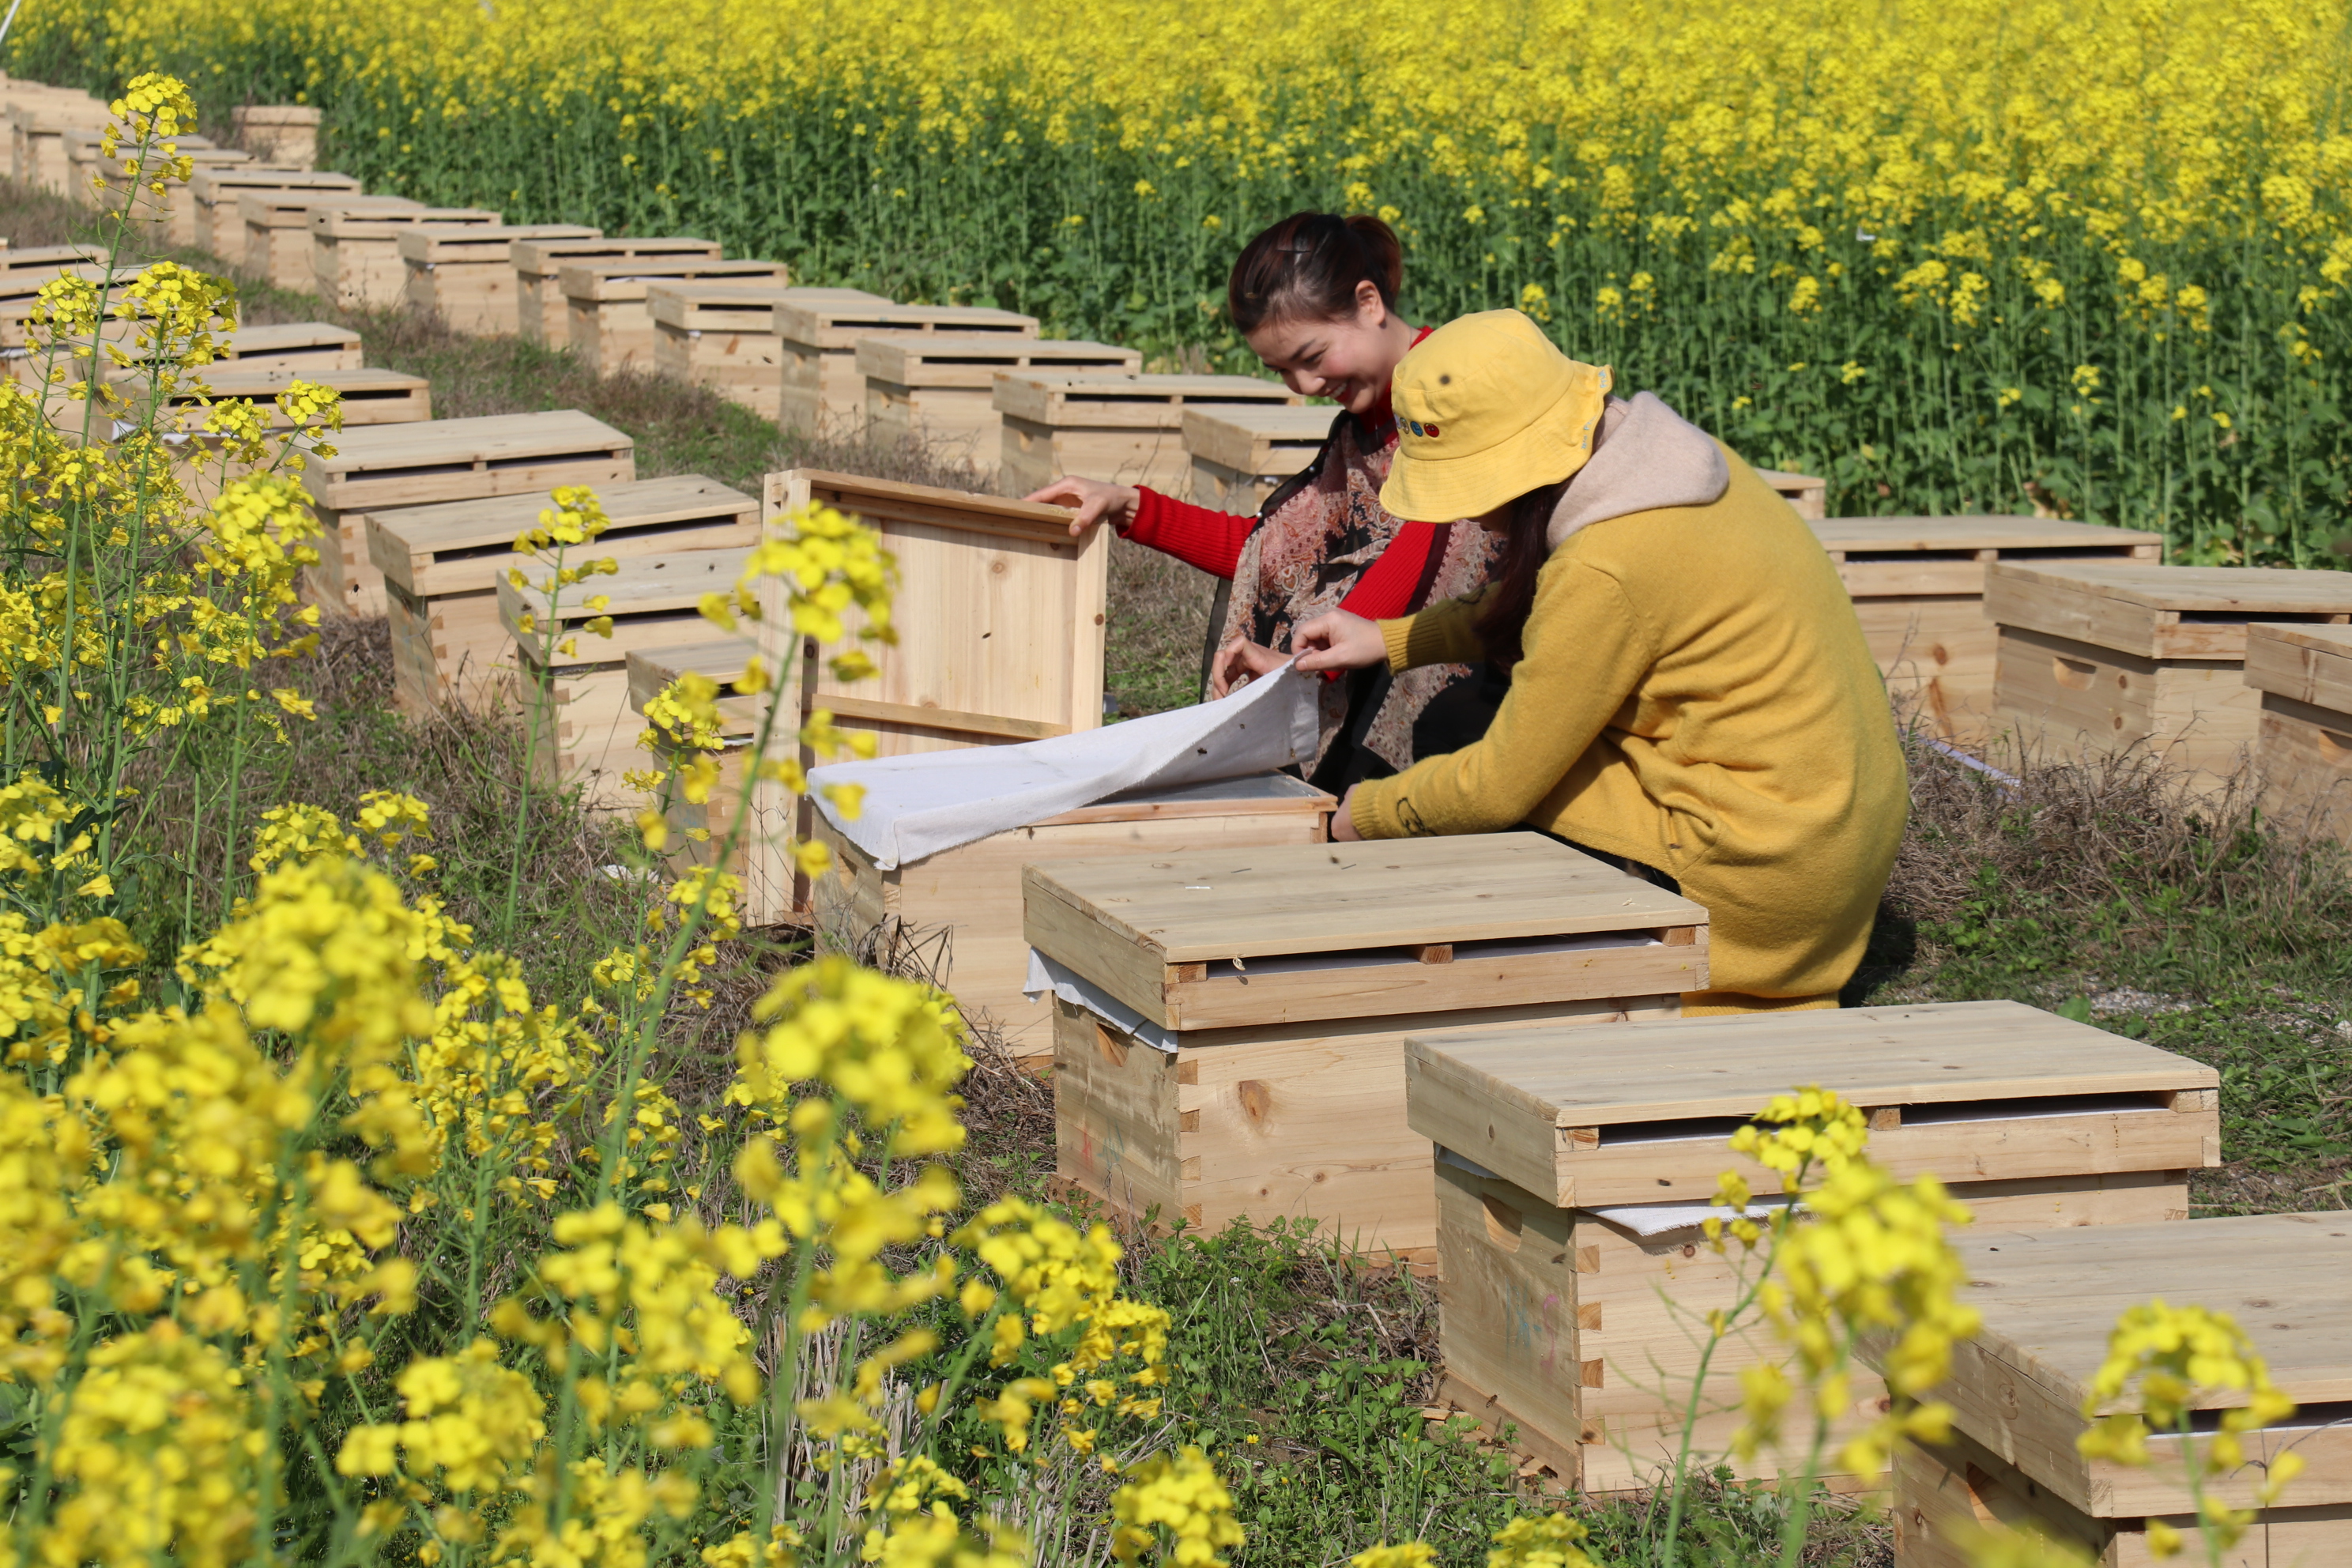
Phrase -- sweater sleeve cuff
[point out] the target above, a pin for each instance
(1397, 637)
(1372, 809)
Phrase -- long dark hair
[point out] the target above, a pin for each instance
(1308, 266)
(1511, 594)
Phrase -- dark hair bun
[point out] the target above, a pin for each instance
(1309, 265)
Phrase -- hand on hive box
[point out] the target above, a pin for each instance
(1096, 500)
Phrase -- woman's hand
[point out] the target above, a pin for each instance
(1339, 641)
(1096, 501)
(1239, 662)
(1343, 820)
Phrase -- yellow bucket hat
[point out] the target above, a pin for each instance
(1487, 410)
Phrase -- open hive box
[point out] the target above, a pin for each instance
(543, 314)
(1241, 455)
(1128, 428)
(1237, 1043)
(277, 226)
(609, 318)
(1918, 585)
(2303, 742)
(941, 388)
(2050, 1301)
(383, 469)
(2104, 656)
(215, 193)
(355, 256)
(822, 391)
(441, 566)
(1576, 1168)
(461, 272)
(723, 336)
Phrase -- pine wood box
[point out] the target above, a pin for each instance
(723, 660)
(1808, 495)
(1287, 981)
(43, 261)
(584, 732)
(369, 398)
(1001, 614)
(2303, 741)
(976, 890)
(215, 192)
(610, 318)
(310, 347)
(284, 133)
(2102, 656)
(87, 162)
(939, 389)
(723, 336)
(1125, 427)
(464, 274)
(380, 471)
(169, 219)
(1552, 1318)
(441, 565)
(2049, 1299)
(277, 225)
(1240, 455)
(543, 314)
(20, 291)
(355, 259)
(36, 138)
(1918, 585)
(822, 391)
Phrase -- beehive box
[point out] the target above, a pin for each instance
(87, 161)
(379, 471)
(723, 661)
(1268, 993)
(2049, 1301)
(1577, 1168)
(19, 293)
(36, 135)
(286, 133)
(169, 219)
(42, 261)
(822, 391)
(723, 336)
(370, 397)
(1011, 611)
(610, 320)
(2100, 657)
(1918, 583)
(975, 890)
(941, 389)
(2302, 739)
(464, 274)
(355, 260)
(1124, 427)
(1241, 455)
(441, 568)
(1807, 494)
(584, 730)
(544, 316)
(277, 224)
(306, 346)
(214, 195)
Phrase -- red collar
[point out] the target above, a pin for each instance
(1381, 420)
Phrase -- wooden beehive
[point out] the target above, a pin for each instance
(941, 390)
(19, 294)
(37, 134)
(975, 890)
(1125, 427)
(2049, 1301)
(277, 224)
(1240, 454)
(723, 661)
(43, 260)
(1272, 991)
(1558, 1148)
(723, 336)
(355, 260)
(379, 471)
(214, 195)
(2102, 656)
(1003, 612)
(87, 162)
(545, 317)
(1918, 583)
(822, 391)
(169, 219)
(441, 565)
(2302, 739)
(306, 346)
(370, 397)
(462, 273)
(611, 322)
(285, 134)
(584, 730)
(1807, 494)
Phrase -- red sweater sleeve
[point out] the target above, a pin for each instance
(1195, 535)
(1386, 589)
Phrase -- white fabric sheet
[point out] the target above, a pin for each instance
(1641, 1219)
(1044, 975)
(920, 805)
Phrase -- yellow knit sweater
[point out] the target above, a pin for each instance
(1694, 695)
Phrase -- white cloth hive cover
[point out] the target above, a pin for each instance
(922, 804)
(1044, 975)
(1641, 1219)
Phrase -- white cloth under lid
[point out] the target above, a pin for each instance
(1641, 1219)
(920, 805)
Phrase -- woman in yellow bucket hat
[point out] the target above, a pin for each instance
(1690, 690)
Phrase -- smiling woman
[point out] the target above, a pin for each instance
(1315, 296)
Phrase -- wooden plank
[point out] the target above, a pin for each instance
(2160, 612)
(302, 346)
(2303, 763)
(1937, 654)
(369, 397)
(2036, 535)
(213, 195)
(1259, 440)
(542, 310)
(2310, 663)
(936, 390)
(1094, 400)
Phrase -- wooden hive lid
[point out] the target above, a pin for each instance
(668, 587)
(965, 360)
(679, 303)
(2306, 662)
(723, 659)
(2155, 611)
(24, 284)
(545, 255)
(230, 381)
(46, 259)
(1910, 534)
(433, 243)
(336, 222)
(628, 277)
(465, 546)
(88, 140)
(291, 208)
(1128, 399)
(287, 335)
(493, 439)
(883, 503)
(1254, 437)
(229, 182)
(197, 157)
(840, 326)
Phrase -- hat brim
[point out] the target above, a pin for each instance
(1551, 448)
